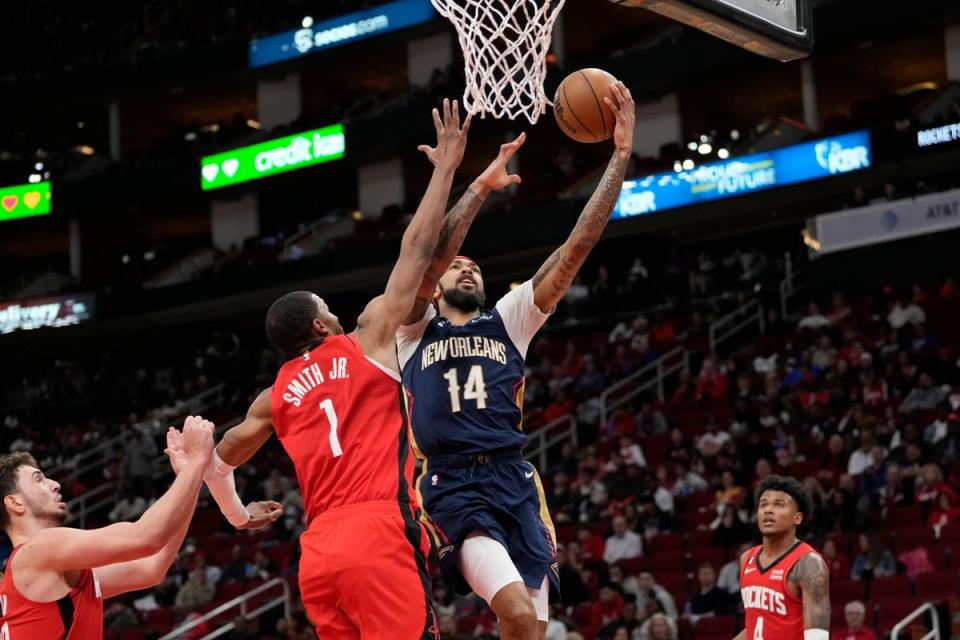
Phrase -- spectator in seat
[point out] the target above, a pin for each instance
(607, 608)
(840, 309)
(591, 545)
(624, 624)
(730, 530)
(874, 561)
(729, 492)
(651, 597)
(573, 591)
(944, 513)
(631, 453)
(813, 318)
(711, 383)
(938, 430)
(710, 600)
(838, 563)
(656, 627)
(195, 592)
(930, 485)
(129, 507)
(712, 442)
(729, 579)
(119, 616)
(854, 613)
(556, 627)
(924, 397)
(622, 544)
(861, 458)
(904, 313)
(236, 568)
(650, 420)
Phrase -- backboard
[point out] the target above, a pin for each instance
(780, 29)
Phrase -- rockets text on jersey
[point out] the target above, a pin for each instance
(772, 612)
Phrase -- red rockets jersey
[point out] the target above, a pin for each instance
(341, 417)
(76, 616)
(772, 612)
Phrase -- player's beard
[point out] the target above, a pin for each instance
(466, 301)
(53, 517)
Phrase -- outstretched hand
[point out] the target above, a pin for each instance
(262, 514)
(623, 108)
(495, 176)
(451, 137)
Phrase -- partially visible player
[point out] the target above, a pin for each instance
(784, 583)
(337, 407)
(57, 577)
(464, 368)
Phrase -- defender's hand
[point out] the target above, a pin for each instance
(451, 137)
(197, 440)
(262, 514)
(495, 176)
(625, 111)
(174, 451)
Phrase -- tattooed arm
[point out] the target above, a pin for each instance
(557, 273)
(458, 220)
(811, 576)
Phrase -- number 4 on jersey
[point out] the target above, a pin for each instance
(758, 629)
(474, 389)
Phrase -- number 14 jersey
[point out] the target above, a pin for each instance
(341, 417)
(466, 382)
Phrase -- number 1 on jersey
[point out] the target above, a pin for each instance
(474, 389)
(327, 406)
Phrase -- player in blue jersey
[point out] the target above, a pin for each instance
(463, 365)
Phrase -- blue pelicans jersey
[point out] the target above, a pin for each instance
(466, 382)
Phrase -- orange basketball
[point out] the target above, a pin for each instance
(579, 108)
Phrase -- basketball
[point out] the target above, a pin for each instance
(579, 108)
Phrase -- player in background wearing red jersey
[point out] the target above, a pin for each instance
(337, 407)
(784, 583)
(57, 577)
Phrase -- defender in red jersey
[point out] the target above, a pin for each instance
(57, 577)
(784, 583)
(338, 408)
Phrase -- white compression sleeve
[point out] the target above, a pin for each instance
(223, 488)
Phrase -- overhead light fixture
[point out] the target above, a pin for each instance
(723, 154)
(34, 178)
(307, 22)
(81, 124)
(190, 136)
(688, 164)
(704, 138)
(692, 146)
(38, 166)
(253, 124)
(85, 149)
(677, 166)
(704, 149)
(734, 135)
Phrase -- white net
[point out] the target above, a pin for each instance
(505, 44)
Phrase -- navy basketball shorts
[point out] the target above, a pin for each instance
(498, 495)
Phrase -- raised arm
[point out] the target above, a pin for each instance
(555, 276)
(458, 220)
(237, 446)
(63, 549)
(385, 313)
(811, 575)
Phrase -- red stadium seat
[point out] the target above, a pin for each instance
(590, 633)
(907, 538)
(279, 554)
(905, 516)
(699, 538)
(230, 590)
(894, 587)
(160, 620)
(633, 566)
(665, 542)
(467, 624)
(936, 585)
(847, 590)
(582, 614)
(133, 634)
(893, 611)
(714, 555)
(950, 534)
(667, 561)
(716, 626)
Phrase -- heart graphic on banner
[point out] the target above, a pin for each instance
(210, 172)
(9, 202)
(230, 167)
(31, 199)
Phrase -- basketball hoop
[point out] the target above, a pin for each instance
(505, 44)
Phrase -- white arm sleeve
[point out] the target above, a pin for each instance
(521, 316)
(408, 338)
(220, 482)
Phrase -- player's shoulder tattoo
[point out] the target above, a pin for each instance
(812, 575)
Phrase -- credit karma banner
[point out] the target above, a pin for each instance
(55, 311)
(271, 157)
(340, 30)
(887, 221)
(745, 174)
(24, 200)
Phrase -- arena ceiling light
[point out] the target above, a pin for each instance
(25, 200)
(272, 157)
